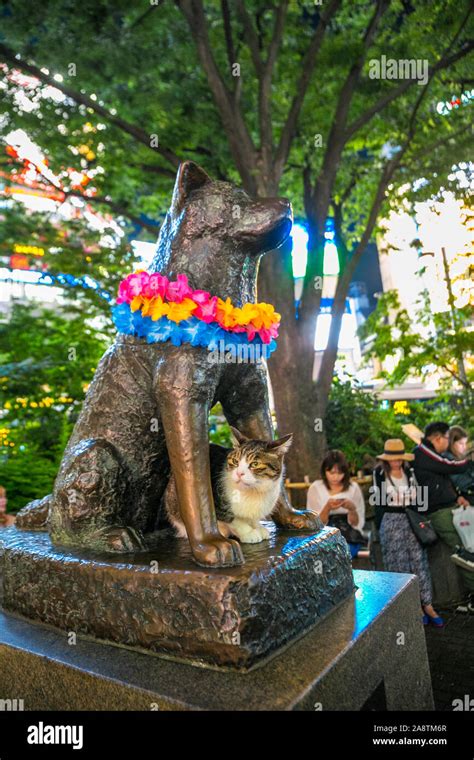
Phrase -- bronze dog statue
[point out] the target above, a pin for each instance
(146, 410)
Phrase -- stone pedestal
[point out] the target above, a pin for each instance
(160, 601)
(371, 643)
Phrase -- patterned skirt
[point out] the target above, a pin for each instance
(403, 553)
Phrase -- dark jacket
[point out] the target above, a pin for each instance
(463, 481)
(433, 471)
(379, 478)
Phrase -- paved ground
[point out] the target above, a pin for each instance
(451, 656)
(450, 653)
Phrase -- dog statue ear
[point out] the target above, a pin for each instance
(190, 177)
(281, 445)
(237, 437)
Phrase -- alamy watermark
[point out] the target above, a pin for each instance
(12, 705)
(244, 353)
(412, 495)
(404, 68)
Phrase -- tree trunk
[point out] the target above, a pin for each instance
(290, 369)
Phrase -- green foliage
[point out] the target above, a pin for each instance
(47, 358)
(46, 353)
(219, 430)
(27, 476)
(358, 424)
(140, 64)
(30, 454)
(424, 344)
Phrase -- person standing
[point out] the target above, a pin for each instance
(433, 472)
(395, 489)
(457, 449)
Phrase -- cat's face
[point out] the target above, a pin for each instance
(256, 464)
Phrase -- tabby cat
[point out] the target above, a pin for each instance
(246, 484)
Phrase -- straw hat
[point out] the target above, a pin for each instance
(394, 448)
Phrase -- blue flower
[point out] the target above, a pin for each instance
(193, 331)
(159, 331)
(122, 316)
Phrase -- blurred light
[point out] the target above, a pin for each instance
(33, 250)
(20, 275)
(300, 237)
(145, 252)
(331, 259)
(348, 339)
(323, 325)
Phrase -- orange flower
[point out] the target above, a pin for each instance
(136, 303)
(179, 311)
(155, 308)
(266, 316)
(225, 312)
(244, 315)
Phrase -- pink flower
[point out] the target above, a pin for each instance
(267, 334)
(132, 286)
(123, 293)
(178, 290)
(251, 331)
(200, 296)
(207, 309)
(156, 286)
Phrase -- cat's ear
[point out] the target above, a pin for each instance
(190, 177)
(237, 437)
(281, 445)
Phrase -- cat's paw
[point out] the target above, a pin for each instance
(250, 535)
(264, 532)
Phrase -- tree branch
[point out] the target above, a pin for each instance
(460, 380)
(240, 141)
(445, 61)
(251, 36)
(336, 141)
(279, 25)
(330, 354)
(80, 98)
(307, 68)
(264, 71)
(116, 207)
(229, 42)
(265, 90)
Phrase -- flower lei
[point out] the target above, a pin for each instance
(153, 307)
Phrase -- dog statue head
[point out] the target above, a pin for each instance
(215, 234)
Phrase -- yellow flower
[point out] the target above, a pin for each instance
(266, 316)
(155, 308)
(136, 303)
(179, 311)
(245, 315)
(225, 312)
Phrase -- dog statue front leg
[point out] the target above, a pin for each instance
(185, 421)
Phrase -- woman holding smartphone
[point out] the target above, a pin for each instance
(338, 501)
